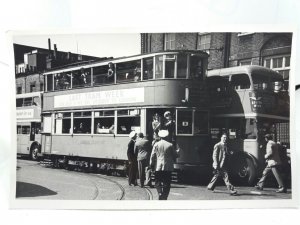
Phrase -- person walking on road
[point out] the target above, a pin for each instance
(162, 160)
(142, 150)
(273, 162)
(219, 161)
(132, 168)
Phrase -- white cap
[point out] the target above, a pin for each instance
(163, 133)
(132, 134)
(166, 113)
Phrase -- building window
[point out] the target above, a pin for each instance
(32, 87)
(204, 41)
(19, 90)
(169, 41)
(246, 62)
(280, 64)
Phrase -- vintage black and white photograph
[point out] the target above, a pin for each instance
(153, 116)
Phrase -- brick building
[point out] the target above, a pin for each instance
(30, 62)
(272, 50)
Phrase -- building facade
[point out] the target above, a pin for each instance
(30, 62)
(272, 50)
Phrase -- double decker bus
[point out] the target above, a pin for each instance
(247, 102)
(89, 110)
(28, 109)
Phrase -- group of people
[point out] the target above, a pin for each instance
(157, 157)
(273, 160)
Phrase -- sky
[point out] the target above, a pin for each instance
(97, 44)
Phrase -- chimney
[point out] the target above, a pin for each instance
(49, 44)
(55, 51)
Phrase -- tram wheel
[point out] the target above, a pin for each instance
(243, 169)
(34, 152)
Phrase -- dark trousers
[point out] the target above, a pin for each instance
(266, 173)
(142, 164)
(132, 173)
(220, 173)
(163, 184)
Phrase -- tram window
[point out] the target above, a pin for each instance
(104, 122)
(181, 66)
(62, 81)
(201, 123)
(158, 67)
(169, 66)
(100, 75)
(49, 79)
(104, 125)
(240, 81)
(184, 122)
(82, 122)
(63, 123)
(147, 68)
(81, 78)
(129, 122)
(196, 67)
(129, 71)
(25, 129)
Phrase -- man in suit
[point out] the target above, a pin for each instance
(219, 159)
(142, 150)
(132, 168)
(273, 162)
(162, 160)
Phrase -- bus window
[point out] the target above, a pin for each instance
(100, 75)
(128, 120)
(148, 68)
(261, 82)
(27, 101)
(25, 129)
(37, 128)
(49, 79)
(181, 66)
(82, 122)
(81, 78)
(240, 81)
(158, 67)
(19, 129)
(251, 129)
(19, 102)
(169, 66)
(104, 122)
(201, 122)
(184, 122)
(196, 67)
(129, 71)
(236, 128)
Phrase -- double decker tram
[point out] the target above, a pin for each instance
(89, 110)
(247, 102)
(28, 115)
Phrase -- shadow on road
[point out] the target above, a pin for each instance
(32, 190)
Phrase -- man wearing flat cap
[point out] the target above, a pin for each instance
(273, 161)
(162, 160)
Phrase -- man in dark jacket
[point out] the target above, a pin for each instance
(132, 169)
(142, 150)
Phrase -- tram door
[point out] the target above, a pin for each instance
(156, 114)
